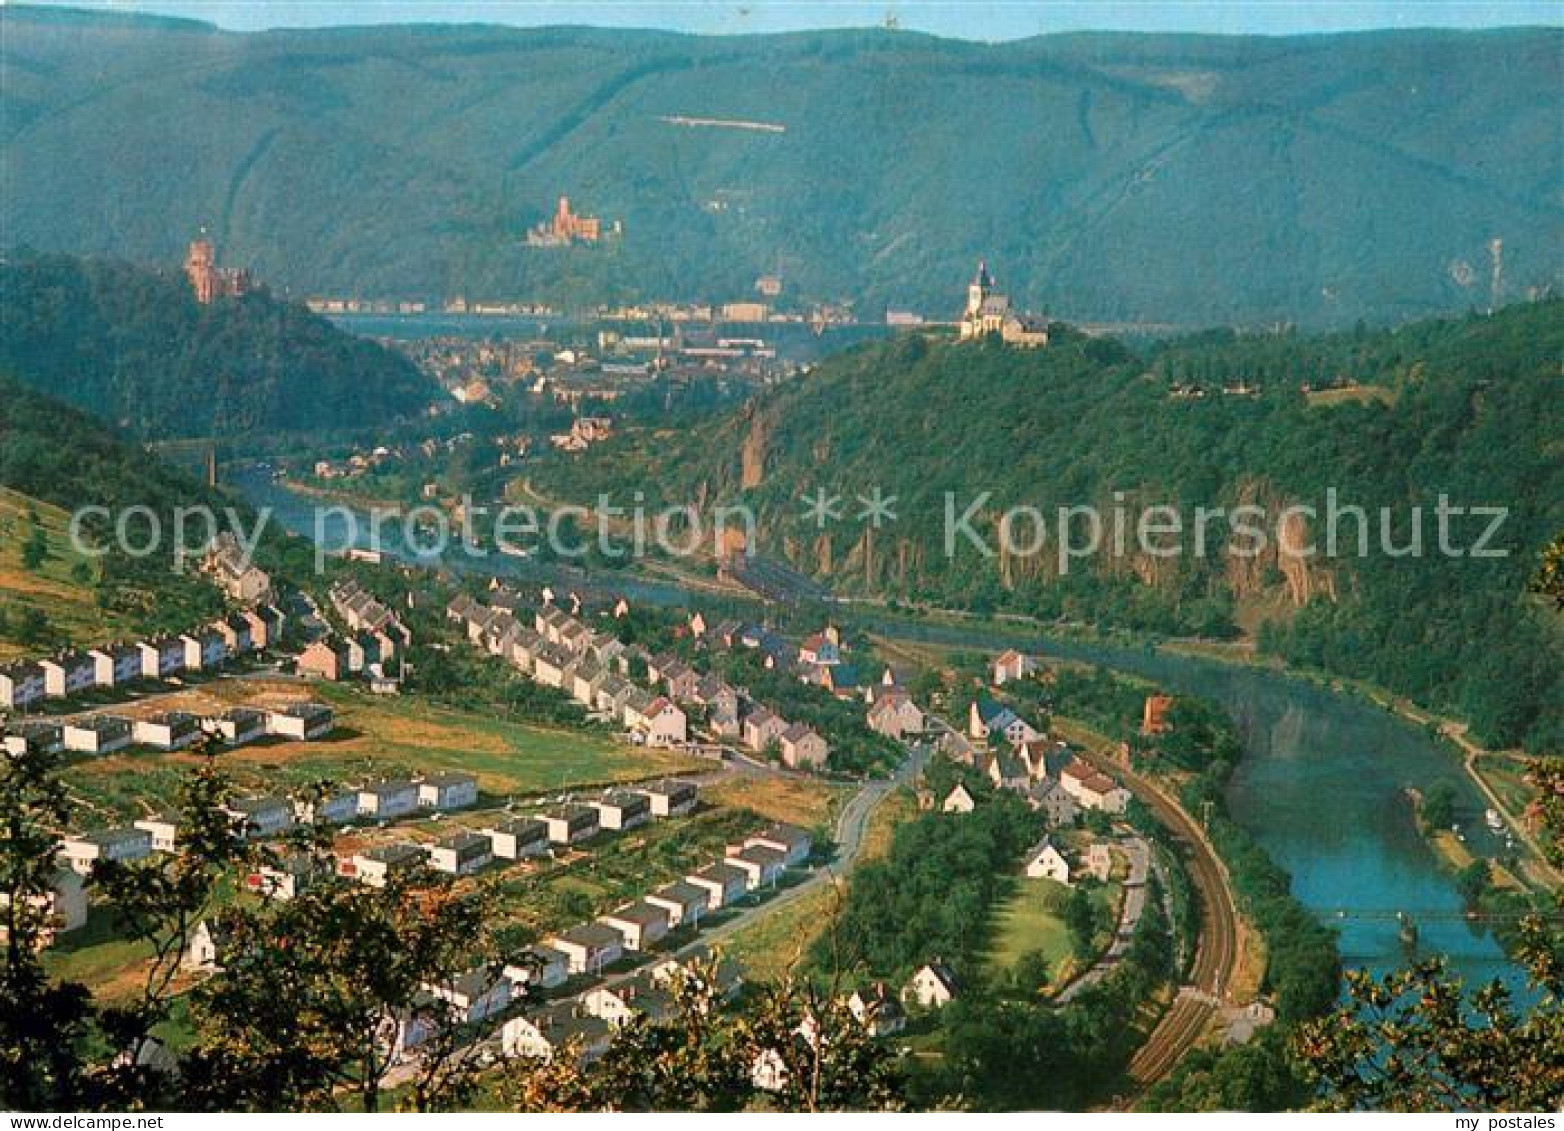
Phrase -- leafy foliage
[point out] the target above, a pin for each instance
(931, 894)
(137, 349)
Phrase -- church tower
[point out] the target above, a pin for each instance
(979, 289)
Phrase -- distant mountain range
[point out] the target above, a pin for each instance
(1165, 179)
(134, 348)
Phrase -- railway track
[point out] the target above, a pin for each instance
(1216, 950)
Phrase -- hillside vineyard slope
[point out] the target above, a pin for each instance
(1163, 179)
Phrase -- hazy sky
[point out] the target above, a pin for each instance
(969, 19)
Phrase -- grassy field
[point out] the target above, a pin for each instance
(1031, 919)
(773, 943)
(805, 802)
(1351, 394)
(51, 589)
(778, 940)
(1505, 775)
(375, 736)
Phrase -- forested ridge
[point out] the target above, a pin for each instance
(1167, 178)
(1390, 421)
(133, 347)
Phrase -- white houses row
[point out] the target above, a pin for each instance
(559, 651)
(169, 730)
(513, 838)
(25, 683)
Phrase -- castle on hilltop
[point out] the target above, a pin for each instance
(566, 227)
(207, 279)
(989, 312)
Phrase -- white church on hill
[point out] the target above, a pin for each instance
(990, 313)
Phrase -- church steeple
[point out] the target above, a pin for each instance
(979, 289)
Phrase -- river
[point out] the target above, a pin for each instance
(1321, 786)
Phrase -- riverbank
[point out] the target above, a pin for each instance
(1536, 874)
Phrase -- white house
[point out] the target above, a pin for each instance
(958, 800)
(802, 748)
(544, 1034)
(1057, 807)
(662, 723)
(80, 852)
(259, 818)
(1012, 665)
(896, 716)
(286, 879)
(1093, 789)
(724, 884)
(876, 1008)
(332, 807)
(641, 923)
(622, 1002)
(386, 800)
(795, 844)
(540, 966)
(68, 673)
(683, 901)
(932, 985)
(21, 685)
(1097, 862)
(986, 716)
(518, 838)
(589, 947)
(447, 791)
(204, 649)
(164, 829)
(570, 824)
(32, 738)
(96, 734)
(301, 721)
(669, 798)
(162, 656)
(1045, 862)
(461, 854)
(622, 810)
(761, 865)
(115, 665)
(167, 730)
(204, 951)
(762, 728)
(63, 907)
(473, 996)
(239, 725)
(378, 866)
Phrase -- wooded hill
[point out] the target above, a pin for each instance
(133, 347)
(1178, 179)
(1470, 409)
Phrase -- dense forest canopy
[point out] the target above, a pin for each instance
(135, 348)
(1469, 409)
(1170, 179)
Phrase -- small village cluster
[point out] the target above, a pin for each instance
(594, 668)
(555, 649)
(1015, 755)
(24, 684)
(374, 637)
(820, 660)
